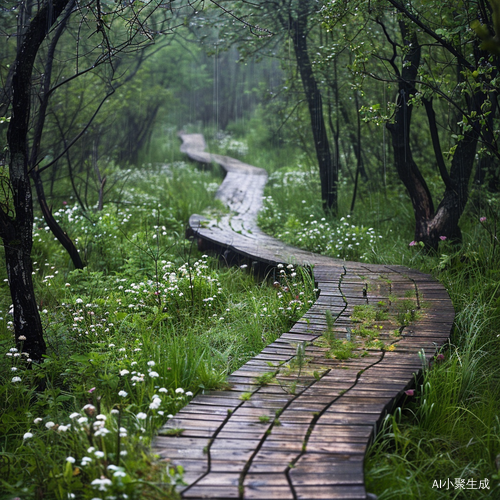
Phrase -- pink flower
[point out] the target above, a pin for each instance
(442, 238)
(482, 219)
(65, 202)
(410, 392)
(91, 390)
(413, 243)
(440, 357)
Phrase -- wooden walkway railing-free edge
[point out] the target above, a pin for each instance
(304, 438)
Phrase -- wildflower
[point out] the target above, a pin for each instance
(179, 390)
(482, 219)
(99, 454)
(151, 363)
(102, 483)
(189, 393)
(141, 415)
(71, 460)
(442, 238)
(72, 416)
(49, 425)
(162, 389)
(91, 390)
(21, 338)
(64, 428)
(123, 394)
(440, 357)
(412, 243)
(16, 379)
(27, 435)
(101, 417)
(101, 432)
(38, 420)
(155, 404)
(85, 461)
(82, 420)
(410, 392)
(154, 374)
(124, 372)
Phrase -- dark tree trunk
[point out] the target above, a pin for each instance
(406, 167)
(430, 224)
(328, 171)
(27, 324)
(16, 217)
(445, 220)
(56, 229)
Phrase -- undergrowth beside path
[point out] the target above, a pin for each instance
(149, 323)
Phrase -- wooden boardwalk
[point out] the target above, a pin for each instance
(304, 434)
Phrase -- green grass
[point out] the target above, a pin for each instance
(148, 324)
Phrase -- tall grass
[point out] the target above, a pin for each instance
(132, 338)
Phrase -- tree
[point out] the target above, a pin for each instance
(455, 71)
(114, 29)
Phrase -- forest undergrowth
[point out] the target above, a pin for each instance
(151, 321)
(146, 325)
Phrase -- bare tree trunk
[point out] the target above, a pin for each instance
(406, 167)
(56, 229)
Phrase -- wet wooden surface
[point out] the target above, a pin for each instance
(304, 435)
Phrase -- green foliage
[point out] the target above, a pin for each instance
(146, 325)
(341, 349)
(287, 215)
(265, 378)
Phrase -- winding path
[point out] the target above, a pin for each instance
(305, 434)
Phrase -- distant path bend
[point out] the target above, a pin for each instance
(316, 446)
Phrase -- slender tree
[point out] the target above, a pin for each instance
(119, 28)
